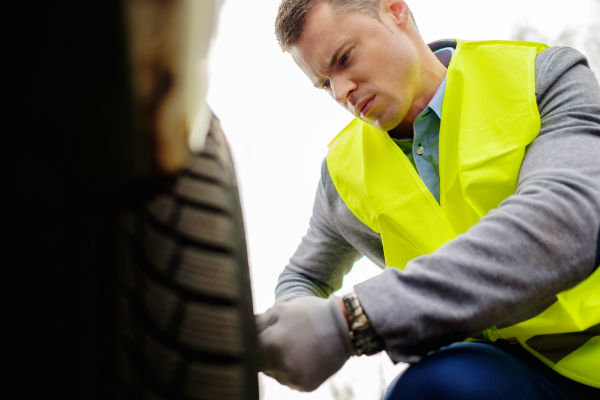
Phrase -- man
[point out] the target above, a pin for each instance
(471, 173)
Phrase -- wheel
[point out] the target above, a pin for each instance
(185, 324)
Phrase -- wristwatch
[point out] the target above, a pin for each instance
(363, 337)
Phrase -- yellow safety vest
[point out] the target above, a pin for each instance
(489, 116)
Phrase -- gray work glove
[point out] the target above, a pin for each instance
(303, 342)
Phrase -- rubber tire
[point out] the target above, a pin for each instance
(183, 298)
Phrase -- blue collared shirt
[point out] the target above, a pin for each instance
(423, 149)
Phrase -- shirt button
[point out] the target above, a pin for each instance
(420, 150)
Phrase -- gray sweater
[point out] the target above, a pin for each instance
(505, 269)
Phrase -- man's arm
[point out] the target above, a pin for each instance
(324, 256)
(537, 243)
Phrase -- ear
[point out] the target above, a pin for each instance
(399, 12)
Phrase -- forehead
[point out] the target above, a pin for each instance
(324, 32)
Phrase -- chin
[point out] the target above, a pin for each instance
(384, 126)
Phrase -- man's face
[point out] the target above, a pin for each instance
(369, 66)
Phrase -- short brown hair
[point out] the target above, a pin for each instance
(292, 15)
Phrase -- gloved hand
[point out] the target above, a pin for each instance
(303, 342)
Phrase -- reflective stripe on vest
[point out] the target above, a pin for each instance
(489, 116)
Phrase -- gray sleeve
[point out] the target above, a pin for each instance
(324, 256)
(535, 244)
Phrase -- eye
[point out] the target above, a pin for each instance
(344, 58)
(325, 85)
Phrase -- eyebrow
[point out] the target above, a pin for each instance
(332, 62)
(335, 55)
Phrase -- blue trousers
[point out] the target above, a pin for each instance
(475, 370)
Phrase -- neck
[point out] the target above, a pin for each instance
(404, 130)
(432, 74)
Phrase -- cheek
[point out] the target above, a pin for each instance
(391, 74)
(401, 84)
(400, 66)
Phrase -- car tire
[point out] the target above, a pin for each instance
(184, 316)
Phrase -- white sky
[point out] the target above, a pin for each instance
(279, 126)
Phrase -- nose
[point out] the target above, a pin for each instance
(341, 88)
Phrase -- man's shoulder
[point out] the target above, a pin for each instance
(559, 57)
(553, 62)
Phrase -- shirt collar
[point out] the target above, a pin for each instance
(438, 98)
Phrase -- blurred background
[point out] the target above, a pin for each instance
(279, 126)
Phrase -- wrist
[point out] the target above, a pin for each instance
(363, 337)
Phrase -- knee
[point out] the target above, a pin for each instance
(439, 383)
(460, 373)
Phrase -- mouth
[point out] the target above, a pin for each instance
(364, 106)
